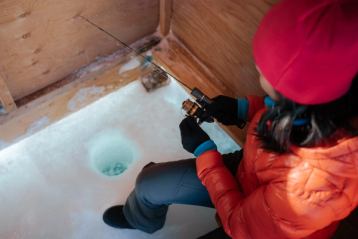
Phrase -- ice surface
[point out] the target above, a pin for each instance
(49, 187)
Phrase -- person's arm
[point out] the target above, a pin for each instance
(291, 206)
(272, 210)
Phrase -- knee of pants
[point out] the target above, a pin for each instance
(153, 186)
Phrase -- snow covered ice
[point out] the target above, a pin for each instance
(58, 182)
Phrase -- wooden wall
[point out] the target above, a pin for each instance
(219, 33)
(42, 41)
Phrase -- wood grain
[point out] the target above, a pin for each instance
(166, 8)
(7, 102)
(219, 33)
(42, 41)
(102, 76)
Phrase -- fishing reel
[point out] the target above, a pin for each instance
(197, 109)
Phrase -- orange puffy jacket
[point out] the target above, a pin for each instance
(303, 194)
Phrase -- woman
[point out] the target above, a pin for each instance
(298, 176)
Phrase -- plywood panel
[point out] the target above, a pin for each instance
(6, 100)
(166, 10)
(42, 41)
(89, 84)
(220, 33)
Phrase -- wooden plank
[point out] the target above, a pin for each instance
(166, 8)
(57, 104)
(139, 47)
(99, 79)
(219, 34)
(181, 63)
(7, 102)
(176, 59)
(42, 41)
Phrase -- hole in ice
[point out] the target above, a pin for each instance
(110, 153)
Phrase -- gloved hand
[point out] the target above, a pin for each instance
(224, 109)
(192, 136)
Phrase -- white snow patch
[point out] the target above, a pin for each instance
(2, 110)
(3, 144)
(96, 68)
(100, 63)
(130, 65)
(82, 96)
(33, 128)
(38, 125)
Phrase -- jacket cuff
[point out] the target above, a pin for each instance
(256, 103)
(243, 108)
(206, 146)
(207, 161)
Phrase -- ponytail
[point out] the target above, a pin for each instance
(278, 128)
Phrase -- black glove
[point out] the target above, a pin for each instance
(224, 109)
(191, 134)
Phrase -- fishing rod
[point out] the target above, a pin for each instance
(159, 69)
(196, 109)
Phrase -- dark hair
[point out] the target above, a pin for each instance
(277, 130)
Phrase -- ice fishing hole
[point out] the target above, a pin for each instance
(111, 153)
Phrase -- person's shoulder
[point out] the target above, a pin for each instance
(336, 158)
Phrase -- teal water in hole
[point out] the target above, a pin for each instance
(114, 169)
(110, 153)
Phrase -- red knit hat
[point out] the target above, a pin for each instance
(308, 49)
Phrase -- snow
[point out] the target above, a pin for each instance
(2, 110)
(54, 184)
(82, 96)
(3, 144)
(101, 63)
(130, 65)
(37, 125)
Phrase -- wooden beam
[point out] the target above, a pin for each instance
(166, 7)
(6, 99)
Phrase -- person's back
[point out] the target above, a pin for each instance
(310, 189)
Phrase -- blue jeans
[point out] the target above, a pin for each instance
(160, 185)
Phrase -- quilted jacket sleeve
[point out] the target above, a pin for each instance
(269, 212)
